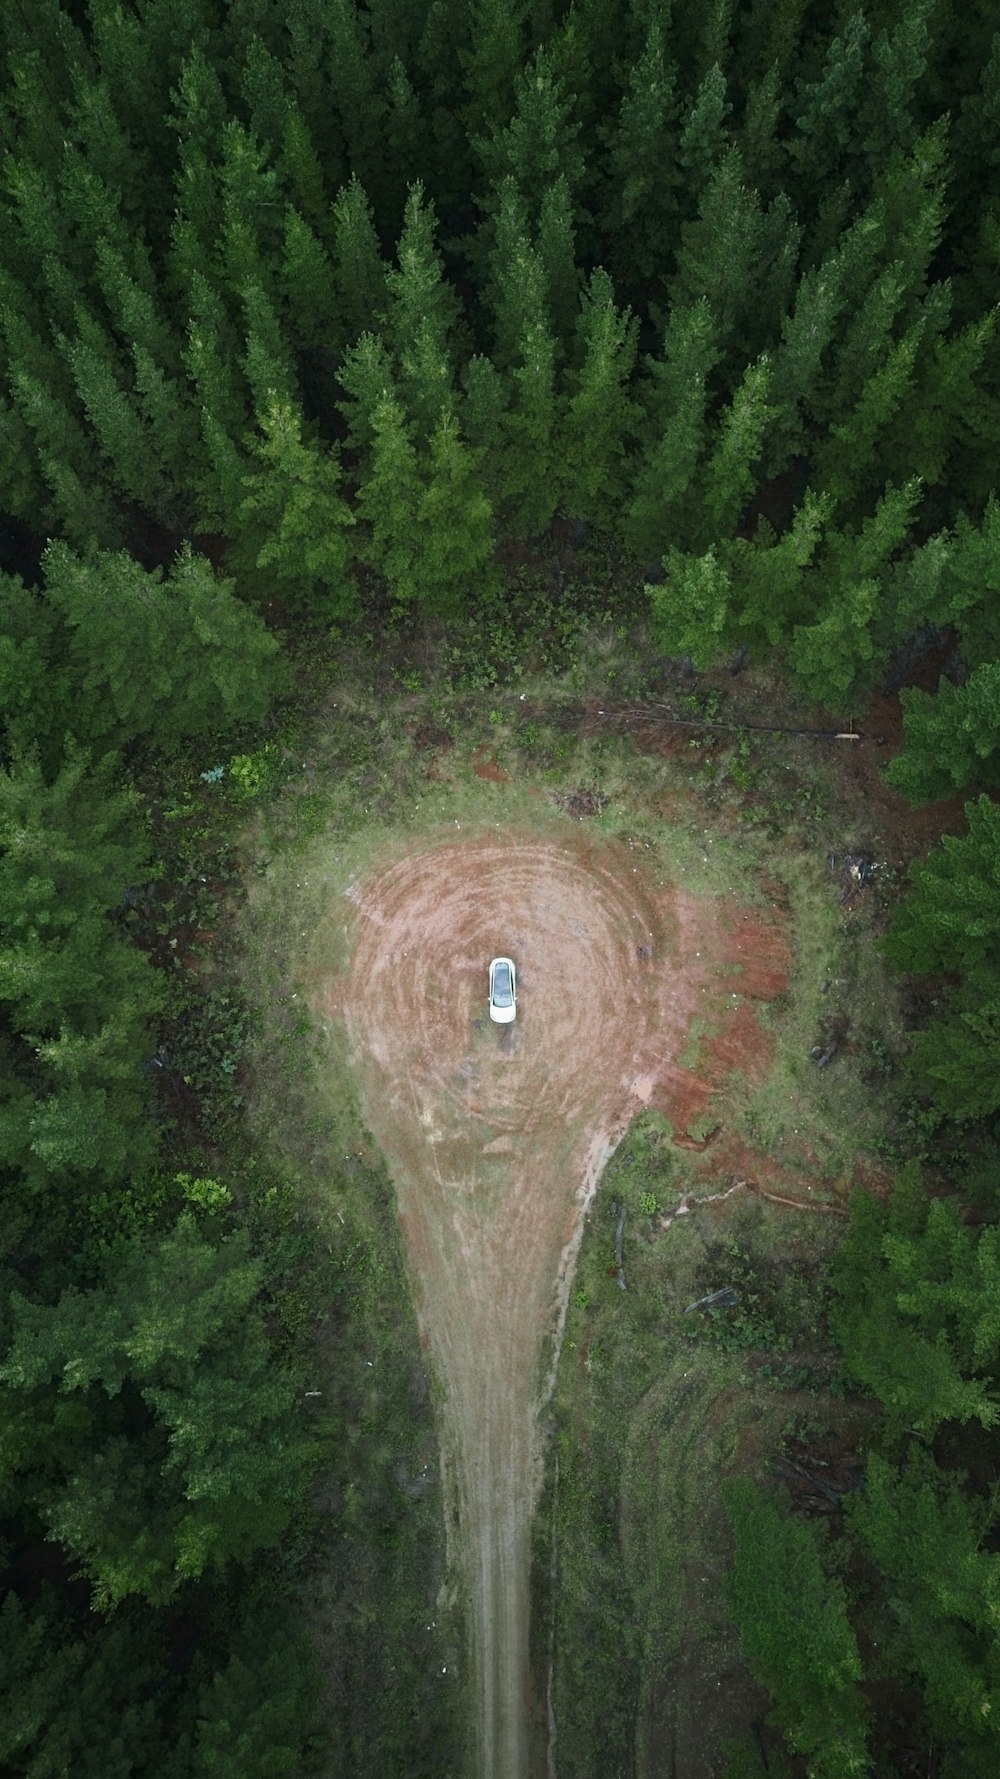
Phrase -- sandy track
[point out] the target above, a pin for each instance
(496, 1137)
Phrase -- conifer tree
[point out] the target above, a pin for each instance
(675, 433)
(796, 1634)
(482, 416)
(807, 336)
(200, 110)
(303, 174)
(454, 526)
(762, 152)
(210, 1464)
(293, 500)
(307, 286)
(848, 457)
(826, 110)
(528, 485)
(492, 62)
(539, 143)
(76, 992)
(359, 269)
(598, 417)
(703, 137)
(265, 93)
(421, 314)
(926, 1536)
(739, 256)
(557, 260)
(366, 376)
(729, 474)
(79, 504)
(118, 424)
(167, 656)
(268, 362)
(952, 737)
(641, 198)
(357, 103)
(691, 608)
(389, 499)
(771, 582)
(249, 246)
(516, 286)
(898, 60)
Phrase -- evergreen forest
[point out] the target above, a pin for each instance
(317, 318)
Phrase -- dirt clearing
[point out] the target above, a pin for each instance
(630, 993)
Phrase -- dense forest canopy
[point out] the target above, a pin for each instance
(308, 308)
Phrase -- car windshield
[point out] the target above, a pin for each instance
(502, 993)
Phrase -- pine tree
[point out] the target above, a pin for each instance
(557, 260)
(366, 376)
(483, 416)
(79, 504)
(303, 174)
(848, 458)
(795, 1632)
(926, 1537)
(807, 336)
(359, 269)
(78, 994)
(212, 1461)
(729, 472)
(200, 111)
(826, 110)
(516, 284)
(898, 61)
(641, 198)
(915, 1310)
(212, 360)
(492, 62)
(389, 499)
(454, 521)
(675, 433)
(265, 94)
(405, 142)
(951, 917)
(599, 416)
(539, 143)
(529, 486)
(121, 431)
(294, 501)
(950, 922)
(771, 584)
(421, 314)
(704, 138)
(762, 152)
(250, 242)
(267, 363)
(357, 103)
(159, 656)
(691, 608)
(739, 257)
(307, 286)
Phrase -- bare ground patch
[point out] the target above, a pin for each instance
(496, 1139)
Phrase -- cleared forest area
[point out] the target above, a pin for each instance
(573, 418)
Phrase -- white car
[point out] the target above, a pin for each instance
(503, 990)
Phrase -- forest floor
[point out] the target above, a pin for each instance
(676, 899)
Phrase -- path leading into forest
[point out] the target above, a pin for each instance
(496, 1136)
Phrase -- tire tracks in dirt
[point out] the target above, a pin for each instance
(496, 1138)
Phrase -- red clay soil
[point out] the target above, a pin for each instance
(496, 1138)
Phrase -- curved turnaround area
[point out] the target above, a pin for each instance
(496, 1136)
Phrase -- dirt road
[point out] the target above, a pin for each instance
(496, 1137)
